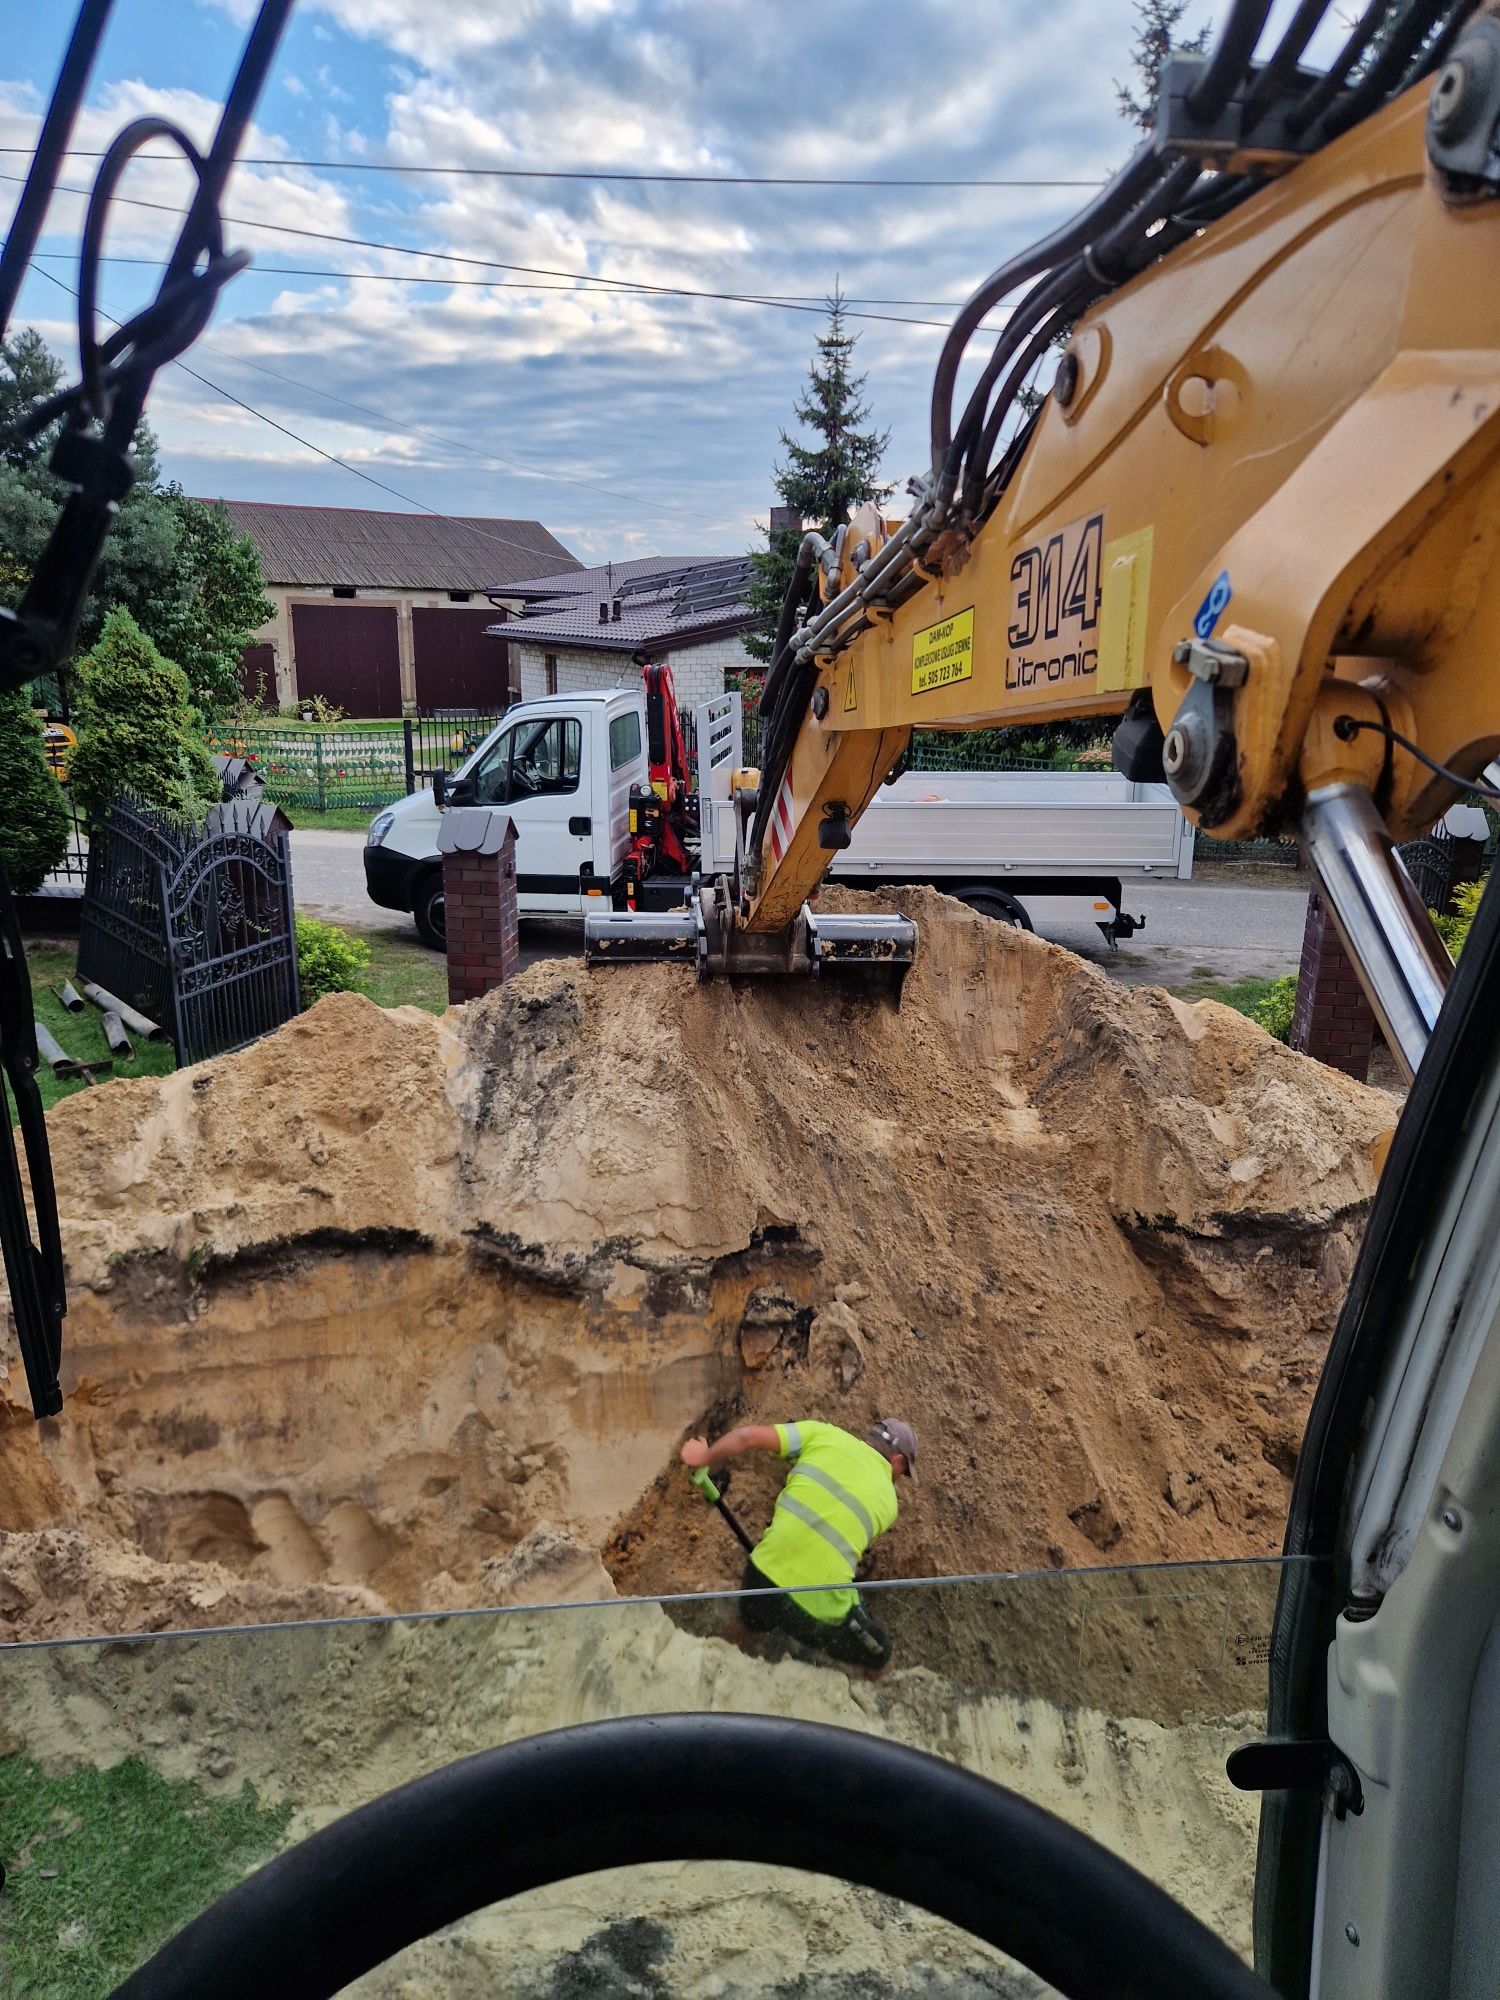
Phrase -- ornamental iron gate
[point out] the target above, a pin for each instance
(193, 926)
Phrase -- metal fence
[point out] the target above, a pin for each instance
(195, 929)
(356, 770)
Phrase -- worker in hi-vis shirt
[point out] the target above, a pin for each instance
(839, 1495)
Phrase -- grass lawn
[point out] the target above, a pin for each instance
(404, 973)
(82, 1035)
(342, 819)
(1244, 995)
(103, 1866)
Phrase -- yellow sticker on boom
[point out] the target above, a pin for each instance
(943, 653)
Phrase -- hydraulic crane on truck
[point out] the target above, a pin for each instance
(1257, 522)
(1254, 521)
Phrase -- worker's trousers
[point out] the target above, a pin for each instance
(858, 1641)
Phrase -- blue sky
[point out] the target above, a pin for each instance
(630, 425)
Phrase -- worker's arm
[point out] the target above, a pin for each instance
(734, 1444)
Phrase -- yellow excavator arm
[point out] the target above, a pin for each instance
(1283, 442)
(1254, 523)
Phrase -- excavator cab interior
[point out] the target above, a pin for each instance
(1252, 521)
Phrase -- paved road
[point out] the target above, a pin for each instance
(1214, 927)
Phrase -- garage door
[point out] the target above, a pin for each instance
(258, 675)
(350, 654)
(457, 665)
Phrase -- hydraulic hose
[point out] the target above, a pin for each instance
(613, 1794)
(1230, 59)
(1122, 193)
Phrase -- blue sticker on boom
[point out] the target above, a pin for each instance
(1212, 607)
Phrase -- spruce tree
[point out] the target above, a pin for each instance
(820, 481)
(1156, 22)
(137, 728)
(34, 824)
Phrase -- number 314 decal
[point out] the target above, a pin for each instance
(1054, 620)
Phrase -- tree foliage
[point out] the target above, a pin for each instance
(820, 481)
(191, 583)
(138, 730)
(34, 823)
(1156, 24)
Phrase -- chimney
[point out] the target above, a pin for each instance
(785, 520)
(603, 612)
(615, 611)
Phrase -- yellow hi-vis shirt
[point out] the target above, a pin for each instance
(840, 1494)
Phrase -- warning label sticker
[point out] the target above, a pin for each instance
(944, 653)
(851, 693)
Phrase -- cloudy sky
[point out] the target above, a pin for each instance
(629, 422)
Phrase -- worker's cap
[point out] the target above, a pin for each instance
(900, 1437)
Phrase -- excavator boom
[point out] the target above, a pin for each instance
(1254, 522)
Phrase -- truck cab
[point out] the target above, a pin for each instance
(563, 768)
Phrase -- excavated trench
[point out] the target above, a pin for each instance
(358, 1309)
(392, 1312)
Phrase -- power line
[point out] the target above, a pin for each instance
(507, 285)
(613, 174)
(455, 521)
(588, 278)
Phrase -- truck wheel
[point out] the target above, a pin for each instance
(996, 903)
(427, 908)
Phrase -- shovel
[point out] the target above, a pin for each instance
(700, 1478)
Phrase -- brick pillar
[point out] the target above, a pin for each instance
(478, 846)
(1334, 1020)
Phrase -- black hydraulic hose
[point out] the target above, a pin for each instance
(1038, 305)
(1122, 193)
(978, 462)
(1177, 178)
(1384, 75)
(1283, 60)
(696, 1788)
(809, 549)
(1316, 99)
(51, 146)
(1428, 60)
(1230, 59)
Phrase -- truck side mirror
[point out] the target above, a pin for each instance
(461, 793)
(440, 789)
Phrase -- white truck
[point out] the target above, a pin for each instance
(1013, 845)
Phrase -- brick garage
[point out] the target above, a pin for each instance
(383, 614)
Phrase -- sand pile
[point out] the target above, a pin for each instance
(365, 1304)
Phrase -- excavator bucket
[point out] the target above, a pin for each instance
(876, 951)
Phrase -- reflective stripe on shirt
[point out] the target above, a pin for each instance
(824, 1529)
(842, 1494)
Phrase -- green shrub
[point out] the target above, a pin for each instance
(1275, 1011)
(1454, 930)
(34, 823)
(137, 728)
(328, 960)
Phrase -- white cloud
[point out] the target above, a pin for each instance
(676, 402)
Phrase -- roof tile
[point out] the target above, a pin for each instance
(320, 547)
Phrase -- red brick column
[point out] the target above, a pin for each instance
(478, 846)
(1334, 1020)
